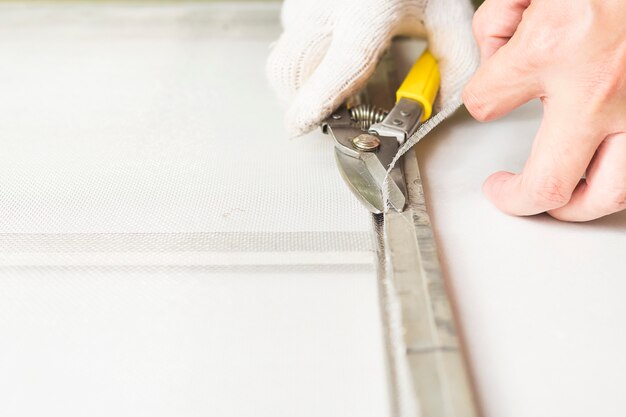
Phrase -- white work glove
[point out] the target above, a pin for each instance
(329, 48)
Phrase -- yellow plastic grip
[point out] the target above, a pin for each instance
(422, 83)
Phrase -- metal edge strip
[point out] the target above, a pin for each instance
(428, 374)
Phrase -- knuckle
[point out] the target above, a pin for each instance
(549, 192)
(602, 85)
(541, 46)
(483, 22)
(545, 42)
(613, 199)
(478, 24)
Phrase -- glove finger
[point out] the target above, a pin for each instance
(293, 59)
(350, 60)
(449, 30)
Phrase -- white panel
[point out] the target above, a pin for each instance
(135, 136)
(148, 119)
(190, 342)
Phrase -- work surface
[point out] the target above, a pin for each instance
(165, 250)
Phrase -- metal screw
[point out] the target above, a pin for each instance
(405, 113)
(397, 122)
(365, 142)
(336, 116)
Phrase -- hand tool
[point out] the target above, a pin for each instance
(426, 370)
(367, 138)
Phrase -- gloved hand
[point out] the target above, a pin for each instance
(329, 48)
(571, 55)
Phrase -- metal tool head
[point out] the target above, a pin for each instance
(363, 159)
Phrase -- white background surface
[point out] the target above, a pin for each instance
(189, 342)
(540, 302)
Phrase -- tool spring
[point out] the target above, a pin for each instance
(366, 115)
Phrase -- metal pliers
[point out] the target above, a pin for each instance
(367, 139)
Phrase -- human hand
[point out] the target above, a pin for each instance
(572, 55)
(329, 49)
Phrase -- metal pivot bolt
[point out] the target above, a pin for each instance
(366, 142)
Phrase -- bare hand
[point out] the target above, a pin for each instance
(572, 55)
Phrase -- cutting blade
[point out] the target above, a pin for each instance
(359, 181)
(365, 174)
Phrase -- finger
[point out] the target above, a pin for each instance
(503, 83)
(561, 152)
(449, 31)
(293, 59)
(603, 192)
(495, 22)
(350, 60)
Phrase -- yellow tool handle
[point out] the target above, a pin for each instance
(422, 83)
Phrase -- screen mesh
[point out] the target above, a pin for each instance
(148, 135)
